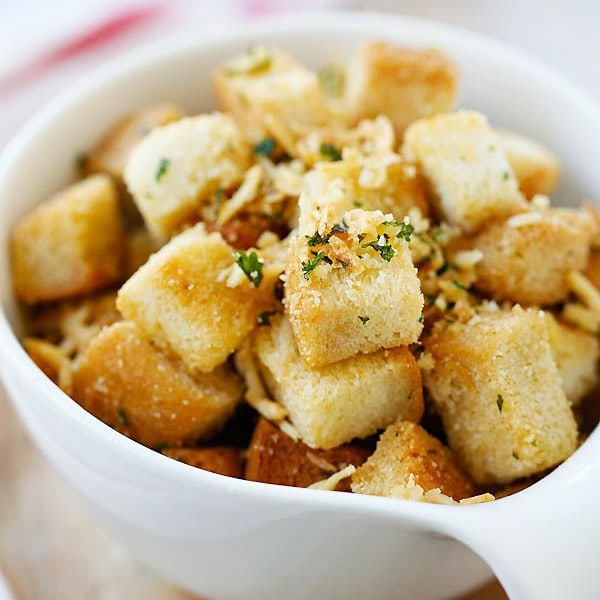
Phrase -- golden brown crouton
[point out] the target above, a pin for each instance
(225, 460)
(576, 355)
(352, 287)
(52, 360)
(274, 457)
(499, 393)
(70, 245)
(537, 170)
(526, 258)
(466, 168)
(266, 86)
(111, 153)
(193, 299)
(403, 84)
(127, 383)
(387, 183)
(176, 168)
(349, 399)
(406, 449)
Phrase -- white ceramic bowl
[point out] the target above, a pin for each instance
(232, 539)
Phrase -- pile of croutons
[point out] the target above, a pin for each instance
(332, 257)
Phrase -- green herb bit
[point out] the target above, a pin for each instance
(364, 320)
(251, 265)
(264, 318)
(341, 227)
(386, 251)
(515, 455)
(333, 79)
(406, 230)
(421, 318)
(330, 152)
(534, 443)
(163, 167)
(505, 175)
(265, 147)
(500, 402)
(255, 60)
(123, 418)
(316, 239)
(459, 285)
(357, 204)
(164, 446)
(310, 265)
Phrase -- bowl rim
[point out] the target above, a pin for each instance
(13, 357)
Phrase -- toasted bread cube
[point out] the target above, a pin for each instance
(576, 355)
(274, 457)
(334, 404)
(224, 460)
(466, 168)
(192, 299)
(403, 84)
(111, 153)
(367, 298)
(176, 168)
(498, 390)
(592, 270)
(266, 83)
(52, 360)
(526, 258)
(70, 245)
(126, 382)
(405, 449)
(389, 184)
(537, 170)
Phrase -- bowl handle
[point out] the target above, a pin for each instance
(542, 542)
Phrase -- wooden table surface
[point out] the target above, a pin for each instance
(50, 549)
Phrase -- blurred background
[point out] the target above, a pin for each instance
(49, 547)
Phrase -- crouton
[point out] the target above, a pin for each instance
(224, 460)
(576, 355)
(266, 84)
(176, 168)
(387, 183)
(274, 457)
(133, 387)
(334, 404)
(500, 396)
(52, 360)
(405, 449)
(111, 153)
(537, 170)
(467, 170)
(403, 84)
(352, 287)
(526, 258)
(192, 298)
(70, 245)
(592, 270)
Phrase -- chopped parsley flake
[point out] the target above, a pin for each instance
(164, 446)
(123, 418)
(459, 285)
(330, 152)
(505, 175)
(251, 265)
(421, 318)
(406, 230)
(500, 402)
(385, 250)
(309, 266)
(332, 79)
(363, 320)
(265, 147)
(316, 239)
(163, 167)
(534, 443)
(515, 455)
